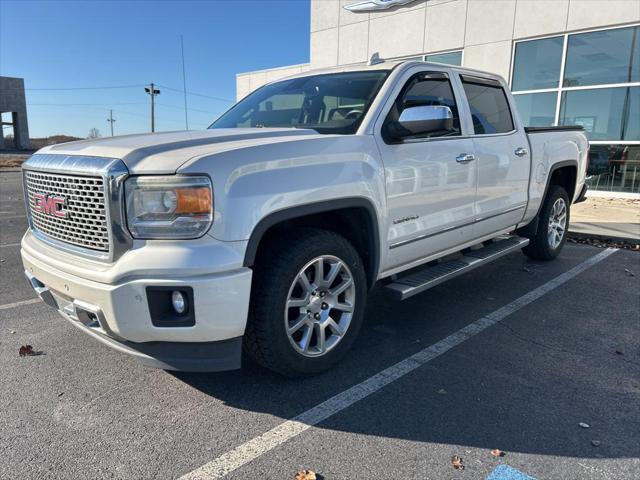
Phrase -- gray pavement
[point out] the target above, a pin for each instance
(522, 385)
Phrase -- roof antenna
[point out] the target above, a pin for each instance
(375, 59)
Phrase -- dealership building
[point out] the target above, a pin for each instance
(568, 62)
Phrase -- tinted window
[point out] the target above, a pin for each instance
(427, 89)
(537, 64)
(333, 103)
(605, 113)
(451, 58)
(608, 56)
(537, 109)
(489, 106)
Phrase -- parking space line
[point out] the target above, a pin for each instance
(6, 306)
(10, 245)
(12, 217)
(254, 448)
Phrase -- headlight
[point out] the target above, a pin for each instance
(169, 207)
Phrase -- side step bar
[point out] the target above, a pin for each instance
(430, 276)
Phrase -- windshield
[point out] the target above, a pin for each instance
(330, 103)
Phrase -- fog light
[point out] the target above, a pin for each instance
(179, 302)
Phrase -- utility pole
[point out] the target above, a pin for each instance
(111, 120)
(151, 90)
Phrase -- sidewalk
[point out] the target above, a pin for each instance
(613, 218)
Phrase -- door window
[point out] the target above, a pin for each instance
(425, 89)
(489, 106)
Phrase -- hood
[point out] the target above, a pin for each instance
(157, 153)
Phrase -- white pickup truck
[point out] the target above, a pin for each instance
(267, 230)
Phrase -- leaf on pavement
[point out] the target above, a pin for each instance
(28, 351)
(496, 452)
(456, 461)
(305, 475)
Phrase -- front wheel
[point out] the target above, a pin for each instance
(307, 302)
(553, 224)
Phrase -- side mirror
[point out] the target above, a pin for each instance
(423, 120)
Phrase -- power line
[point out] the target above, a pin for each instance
(199, 94)
(108, 87)
(87, 88)
(117, 104)
(190, 109)
(85, 104)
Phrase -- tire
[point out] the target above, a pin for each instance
(541, 245)
(278, 281)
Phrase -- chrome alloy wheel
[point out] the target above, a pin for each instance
(557, 223)
(320, 306)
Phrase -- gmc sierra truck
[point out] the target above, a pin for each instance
(265, 232)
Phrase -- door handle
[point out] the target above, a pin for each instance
(521, 152)
(465, 158)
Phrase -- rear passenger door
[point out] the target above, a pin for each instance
(502, 155)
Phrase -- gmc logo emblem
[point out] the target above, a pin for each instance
(49, 205)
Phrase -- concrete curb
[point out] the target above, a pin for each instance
(604, 238)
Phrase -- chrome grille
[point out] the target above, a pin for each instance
(86, 222)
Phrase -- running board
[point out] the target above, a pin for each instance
(430, 276)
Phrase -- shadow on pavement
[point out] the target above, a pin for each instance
(523, 385)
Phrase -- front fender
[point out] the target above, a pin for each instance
(251, 183)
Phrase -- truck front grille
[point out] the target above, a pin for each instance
(85, 222)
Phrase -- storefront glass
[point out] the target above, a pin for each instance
(537, 109)
(614, 168)
(598, 87)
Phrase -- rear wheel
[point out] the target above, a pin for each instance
(553, 224)
(308, 296)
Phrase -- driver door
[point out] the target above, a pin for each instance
(431, 180)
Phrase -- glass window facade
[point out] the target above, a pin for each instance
(604, 57)
(614, 168)
(605, 113)
(450, 58)
(537, 64)
(537, 109)
(597, 86)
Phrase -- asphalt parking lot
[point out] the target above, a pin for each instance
(541, 364)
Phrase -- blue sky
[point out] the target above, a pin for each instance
(60, 44)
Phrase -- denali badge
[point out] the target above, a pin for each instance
(50, 205)
(373, 5)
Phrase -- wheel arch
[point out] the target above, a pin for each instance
(339, 215)
(563, 173)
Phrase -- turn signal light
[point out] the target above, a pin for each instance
(195, 200)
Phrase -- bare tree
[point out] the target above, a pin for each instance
(94, 133)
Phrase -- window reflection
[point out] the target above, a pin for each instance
(607, 56)
(614, 168)
(451, 58)
(537, 109)
(537, 64)
(604, 113)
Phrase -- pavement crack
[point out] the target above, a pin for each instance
(523, 338)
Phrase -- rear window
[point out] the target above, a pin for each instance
(489, 106)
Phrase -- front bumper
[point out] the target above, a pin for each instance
(118, 314)
(183, 356)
